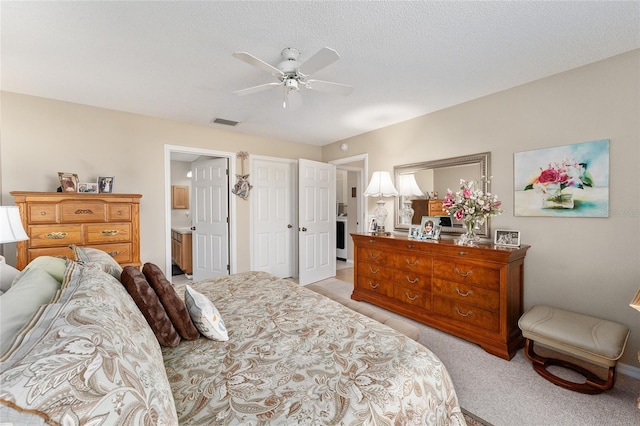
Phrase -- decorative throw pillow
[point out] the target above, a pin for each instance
(7, 276)
(54, 266)
(150, 306)
(99, 257)
(21, 302)
(205, 315)
(173, 305)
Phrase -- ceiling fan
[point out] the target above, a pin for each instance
(292, 75)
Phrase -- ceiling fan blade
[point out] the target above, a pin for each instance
(256, 89)
(321, 59)
(252, 60)
(329, 87)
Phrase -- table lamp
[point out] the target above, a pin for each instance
(380, 186)
(407, 187)
(11, 230)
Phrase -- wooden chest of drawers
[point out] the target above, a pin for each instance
(472, 292)
(54, 220)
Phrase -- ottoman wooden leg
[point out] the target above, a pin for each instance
(593, 384)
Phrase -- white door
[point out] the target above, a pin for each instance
(272, 198)
(210, 218)
(317, 221)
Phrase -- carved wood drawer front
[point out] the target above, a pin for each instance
(374, 285)
(42, 213)
(119, 212)
(468, 273)
(77, 212)
(473, 295)
(122, 253)
(54, 235)
(412, 296)
(414, 262)
(413, 280)
(375, 255)
(108, 232)
(467, 314)
(61, 252)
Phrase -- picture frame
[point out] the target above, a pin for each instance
(68, 182)
(88, 187)
(414, 231)
(428, 226)
(372, 224)
(506, 237)
(105, 184)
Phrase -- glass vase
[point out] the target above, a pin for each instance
(557, 200)
(469, 238)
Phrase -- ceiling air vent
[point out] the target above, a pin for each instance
(224, 122)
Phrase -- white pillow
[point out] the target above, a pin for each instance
(7, 275)
(205, 315)
(21, 302)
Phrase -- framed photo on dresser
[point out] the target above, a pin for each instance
(68, 182)
(105, 184)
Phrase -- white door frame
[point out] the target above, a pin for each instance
(231, 156)
(362, 220)
(293, 163)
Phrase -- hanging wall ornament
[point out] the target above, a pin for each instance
(242, 186)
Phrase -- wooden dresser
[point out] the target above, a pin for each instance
(54, 220)
(471, 292)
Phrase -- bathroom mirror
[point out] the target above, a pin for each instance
(434, 178)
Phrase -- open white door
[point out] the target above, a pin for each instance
(317, 221)
(210, 218)
(273, 218)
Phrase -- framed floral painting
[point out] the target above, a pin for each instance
(569, 181)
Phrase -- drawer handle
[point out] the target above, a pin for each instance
(374, 255)
(463, 315)
(412, 263)
(56, 235)
(410, 280)
(462, 253)
(372, 285)
(409, 245)
(84, 211)
(109, 232)
(463, 274)
(112, 253)
(411, 298)
(43, 213)
(468, 293)
(371, 241)
(119, 213)
(372, 271)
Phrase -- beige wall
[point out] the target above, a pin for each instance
(589, 265)
(39, 137)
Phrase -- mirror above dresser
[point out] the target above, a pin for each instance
(434, 178)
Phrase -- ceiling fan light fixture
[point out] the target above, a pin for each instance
(291, 84)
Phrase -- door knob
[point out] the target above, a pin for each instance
(304, 229)
(289, 226)
(193, 228)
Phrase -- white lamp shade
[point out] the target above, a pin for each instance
(380, 186)
(11, 229)
(407, 186)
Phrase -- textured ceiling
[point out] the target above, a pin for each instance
(173, 59)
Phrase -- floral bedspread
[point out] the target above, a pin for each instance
(295, 357)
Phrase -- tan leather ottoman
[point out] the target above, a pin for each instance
(584, 337)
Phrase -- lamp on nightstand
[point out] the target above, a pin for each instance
(380, 186)
(11, 230)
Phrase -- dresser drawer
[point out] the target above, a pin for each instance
(61, 252)
(464, 313)
(468, 273)
(376, 285)
(460, 292)
(108, 232)
(413, 280)
(122, 253)
(374, 271)
(413, 262)
(412, 296)
(375, 255)
(119, 212)
(82, 212)
(42, 213)
(54, 235)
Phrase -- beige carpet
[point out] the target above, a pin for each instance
(507, 393)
